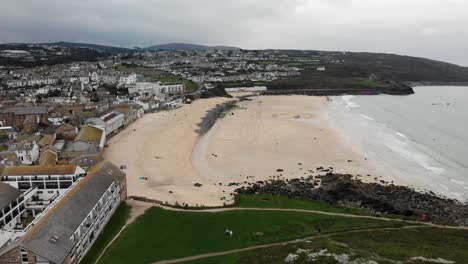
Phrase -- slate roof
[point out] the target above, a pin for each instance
(8, 194)
(29, 110)
(48, 158)
(46, 140)
(63, 220)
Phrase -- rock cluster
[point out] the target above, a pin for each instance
(344, 191)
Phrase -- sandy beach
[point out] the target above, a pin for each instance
(262, 138)
(159, 147)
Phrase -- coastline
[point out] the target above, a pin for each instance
(280, 137)
(415, 139)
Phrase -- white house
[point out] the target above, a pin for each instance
(27, 152)
(94, 77)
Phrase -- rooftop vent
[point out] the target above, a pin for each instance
(54, 239)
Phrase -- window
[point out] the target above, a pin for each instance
(51, 185)
(24, 256)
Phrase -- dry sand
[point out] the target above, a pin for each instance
(159, 146)
(261, 136)
(271, 133)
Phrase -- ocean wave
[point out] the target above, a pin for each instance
(419, 158)
(368, 117)
(461, 183)
(349, 104)
(401, 135)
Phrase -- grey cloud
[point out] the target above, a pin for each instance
(432, 28)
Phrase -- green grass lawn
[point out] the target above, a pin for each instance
(404, 244)
(161, 234)
(382, 246)
(114, 225)
(368, 83)
(276, 201)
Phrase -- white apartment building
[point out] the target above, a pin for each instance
(66, 230)
(151, 89)
(31, 82)
(131, 79)
(50, 180)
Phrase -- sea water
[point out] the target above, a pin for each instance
(420, 139)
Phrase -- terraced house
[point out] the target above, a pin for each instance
(66, 230)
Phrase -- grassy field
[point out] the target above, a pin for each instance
(110, 230)
(368, 83)
(382, 246)
(161, 234)
(275, 201)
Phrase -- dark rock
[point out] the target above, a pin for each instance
(339, 189)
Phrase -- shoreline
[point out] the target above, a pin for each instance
(251, 154)
(264, 138)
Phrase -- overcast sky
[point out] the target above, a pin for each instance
(436, 29)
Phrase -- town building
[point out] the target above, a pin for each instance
(27, 152)
(10, 207)
(17, 115)
(68, 228)
(51, 180)
(90, 137)
(111, 122)
(131, 112)
(151, 89)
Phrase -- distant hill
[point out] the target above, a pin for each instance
(103, 48)
(186, 46)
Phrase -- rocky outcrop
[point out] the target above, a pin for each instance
(343, 190)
